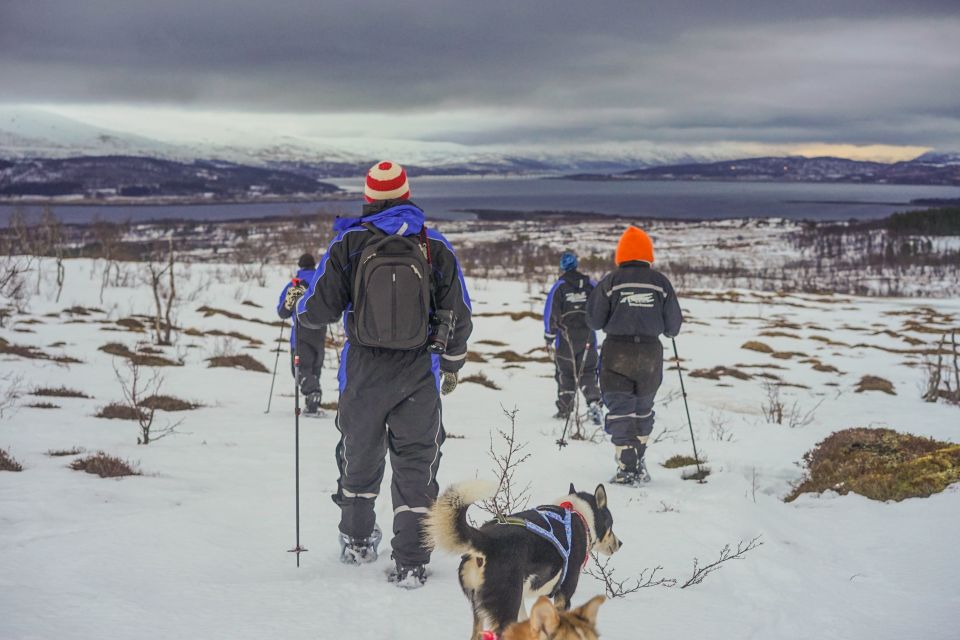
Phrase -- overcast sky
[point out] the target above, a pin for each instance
(524, 72)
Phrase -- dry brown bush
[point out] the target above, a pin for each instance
(8, 462)
(755, 345)
(59, 392)
(481, 379)
(242, 361)
(168, 403)
(118, 411)
(61, 453)
(875, 383)
(880, 464)
(104, 465)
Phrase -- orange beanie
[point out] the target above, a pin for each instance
(634, 244)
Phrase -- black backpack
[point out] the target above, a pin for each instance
(392, 291)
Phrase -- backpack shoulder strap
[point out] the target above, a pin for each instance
(374, 229)
(425, 241)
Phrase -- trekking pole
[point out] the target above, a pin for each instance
(296, 433)
(275, 363)
(683, 390)
(575, 410)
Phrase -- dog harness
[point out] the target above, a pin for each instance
(547, 533)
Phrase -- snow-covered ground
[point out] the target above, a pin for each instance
(196, 546)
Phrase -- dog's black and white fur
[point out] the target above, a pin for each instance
(504, 564)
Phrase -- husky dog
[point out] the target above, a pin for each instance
(547, 623)
(532, 553)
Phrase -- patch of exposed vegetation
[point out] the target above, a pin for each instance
(8, 462)
(140, 358)
(167, 403)
(62, 453)
(677, 461)
(756, 345)
(104, 465)
(880, 464)
(213, 311)
(117, 411)
(42, 405)
(509, 355)
(473, 356)
(330, 406)
(693, 474)
(718, 372)
(516, 316)
(59, 392)
(131, 324)
(242, 361)
(875, 383)
(482, 380)
(32, 353)
(492, 343)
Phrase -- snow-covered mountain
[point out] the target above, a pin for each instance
(32, 133)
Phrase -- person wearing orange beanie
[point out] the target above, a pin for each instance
(634, 305)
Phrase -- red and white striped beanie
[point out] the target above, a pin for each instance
(386, 181)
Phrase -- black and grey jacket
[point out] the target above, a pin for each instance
(635, 301)
(566, 307)
(330, 293)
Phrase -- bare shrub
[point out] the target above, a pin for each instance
(604, 573)
(773, 408)
(105, 466)
(726, 554)
(509, 498)
(719, 427)
(136, 388)
(10, 385)
(943, 374)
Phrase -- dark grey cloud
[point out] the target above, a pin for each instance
(863, 71)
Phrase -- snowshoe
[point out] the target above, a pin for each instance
(407, 576)
(312, 408)
(644, 475)
(360, 550)
(595, 413)
(625, 478)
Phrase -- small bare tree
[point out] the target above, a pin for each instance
(136, 389)
(107, 237)
(164, 294)
(701, 572)
(509, 498)
(52, 242)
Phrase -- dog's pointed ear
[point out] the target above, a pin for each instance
(544, 617)
(601, 495)
(590, 610)
(573, 490)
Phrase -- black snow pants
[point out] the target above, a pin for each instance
(631, 372)
(576, 361)
(389, 403)
(310, 345)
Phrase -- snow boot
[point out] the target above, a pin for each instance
(561, 415)
(360, 550)
(407, 576)
(643, 475)
(595, 413)
(628, 466)
(312, 407)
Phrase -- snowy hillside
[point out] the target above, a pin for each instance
(195, 547)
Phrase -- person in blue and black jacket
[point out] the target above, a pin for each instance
(390, 394)
(306, 341)
(570, 342)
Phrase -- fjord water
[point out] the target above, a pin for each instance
(451, 197)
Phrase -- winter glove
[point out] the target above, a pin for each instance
(294, 294)
(449, 382)
(551, 351)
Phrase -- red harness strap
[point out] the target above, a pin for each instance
(586, 529)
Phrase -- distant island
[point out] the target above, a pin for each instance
(928, 169)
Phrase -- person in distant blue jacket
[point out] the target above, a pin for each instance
(306, 342)
(570, 342)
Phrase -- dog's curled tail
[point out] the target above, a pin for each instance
(446, 525)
